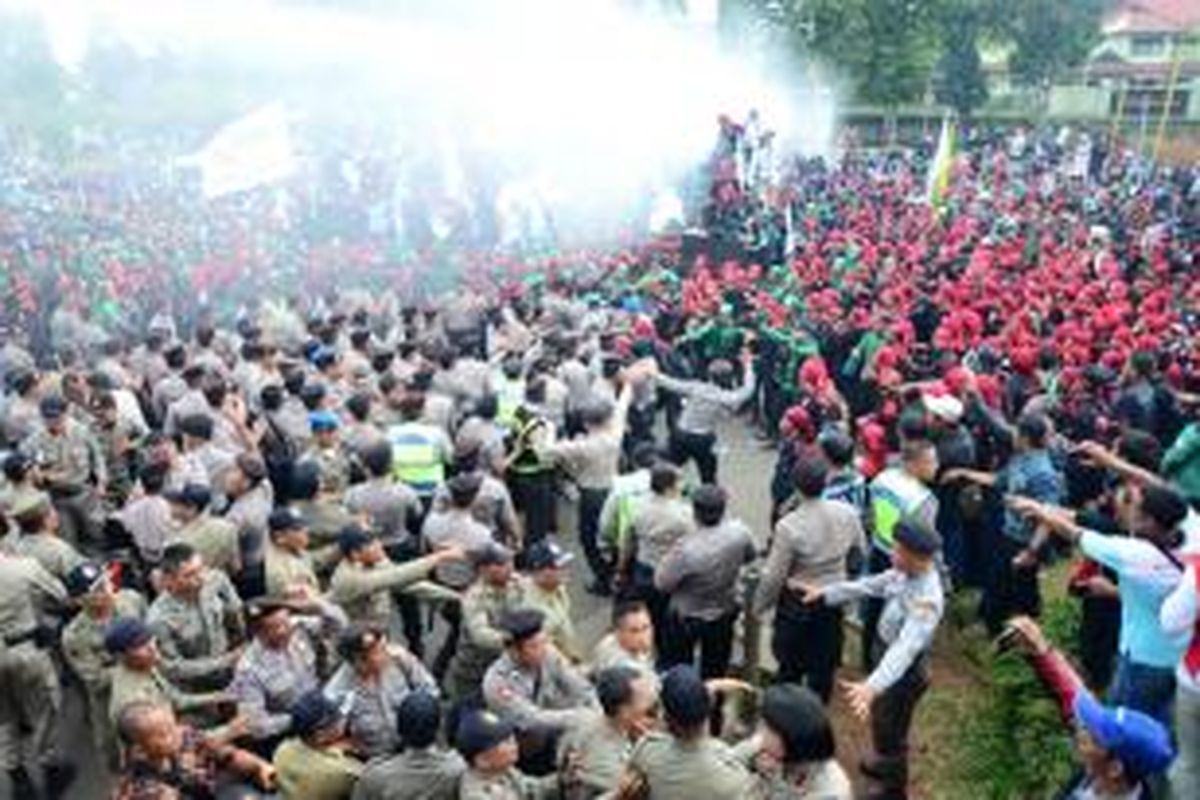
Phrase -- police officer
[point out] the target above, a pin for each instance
(83, 642)
(534, 685)
(39, 539)
(488, 743)
(594, 754)
(313, 764)
(371, 684)
(420, 451)
(912, 591)
(30, 699)
(365, 579)
(530, 476)
(214, 539)
(288, 562)
(421, 770)
(497, 589)
(72, 467)
(546, 564)
(327, 453)
(684, 762)
(197, 620)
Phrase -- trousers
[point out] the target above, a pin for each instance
(891, 719)
(714, 638)
(807, 644)
(591, 503)
(699, 447)
(30, 702)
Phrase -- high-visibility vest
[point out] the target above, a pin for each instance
(510, 393)
(527, 462)
(894, 495)
(416, 458)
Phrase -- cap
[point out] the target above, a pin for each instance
(419, 718)
(260, 608)
(126, 633)
(353, 538)
(313, 711)
(945, 407)
(1137, 740)
(29, 503)
(252, 466)
(285, 519)
(322, 421)
(84, 578)
(17, 464)
(796, 714)
(521, 624)
(685, 697)
(918, 538)
(195, 495)
(356, 640)
(479, 730)
(52, 406)
(492, 554)
(199, 426)
(546, 554)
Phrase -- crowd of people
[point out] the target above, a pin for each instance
(314, 542)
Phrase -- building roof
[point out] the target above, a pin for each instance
(1152, 16)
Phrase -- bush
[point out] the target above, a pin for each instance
(1013, 743)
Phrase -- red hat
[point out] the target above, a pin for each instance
(813, 373)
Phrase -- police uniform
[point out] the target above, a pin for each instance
(302, 771)
(701, 769)
(365, 593)
(391, 506)
(493, 507)
(597, 753)
(58, 557)
(420, 453)
(483, 606)
(333, 466)
(30, 699)
(73, 464)
(555, 606)
(456, 527)
(216, 540)
(552, 697)
(371, 708)
(285, 569)
(420, 773)
(193, 635)
(532, 476)
(480, 731)
(84, 651)
(133, 686)
(913, 607)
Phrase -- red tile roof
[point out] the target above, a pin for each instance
(1152, 16)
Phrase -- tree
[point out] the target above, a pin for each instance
(959, 81)
(1050, 36)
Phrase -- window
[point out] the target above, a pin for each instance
(1148, 45)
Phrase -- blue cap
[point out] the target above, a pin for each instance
(353, 538)
(685, 697)
(1141, 743)
(313, 711)
(84, 578)
(125, 633)
(322, 421)
(480, 730)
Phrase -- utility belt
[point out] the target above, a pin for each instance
(41, 638)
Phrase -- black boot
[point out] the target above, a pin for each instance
(58, 778)
(22, 784)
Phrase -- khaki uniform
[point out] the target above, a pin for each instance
(366, 593)
(84, 651)
(608, 653)
(704, 769)
(389, 504)
(512, 785)
(130, 686)
(50, 551)
(285, 568)
(425, 774)
(216, 540)
(305, 773)
(551, 698)
(325, 518)
(30, 698)
(556, 607)
(482, 642)
(599, 752)
(193, 635)
(73, 464)
(333, 467)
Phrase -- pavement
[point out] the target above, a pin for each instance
(746, 465)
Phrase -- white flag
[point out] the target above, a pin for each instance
(248, 152)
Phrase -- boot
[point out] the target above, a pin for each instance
(22, 784)
(58, 778)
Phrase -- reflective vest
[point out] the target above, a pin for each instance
(894, 495)
(527, 461)
(416, 457)
(510, 393)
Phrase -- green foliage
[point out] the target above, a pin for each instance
(959, 81)
(1013, 741)
(1050, 36)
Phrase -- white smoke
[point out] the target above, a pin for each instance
(595, 101)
